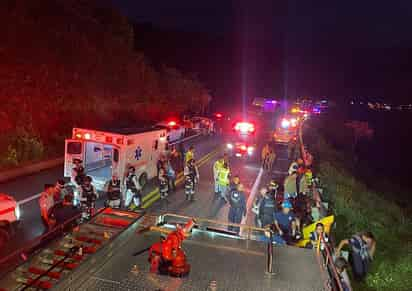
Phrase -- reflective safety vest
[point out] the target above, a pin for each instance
(308, 177)
(189, 156)
(217, 166)
(223, 177)
(130, 183)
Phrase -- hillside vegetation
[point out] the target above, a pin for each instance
(68, 63)
(358, 208)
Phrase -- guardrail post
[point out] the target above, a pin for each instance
(269, 262)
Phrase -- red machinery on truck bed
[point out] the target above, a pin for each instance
(57, 260)
(219, 259)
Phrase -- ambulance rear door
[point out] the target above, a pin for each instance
(74, 149)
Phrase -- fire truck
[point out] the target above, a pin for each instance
(107, 152)
(241, 140)
(9, 217)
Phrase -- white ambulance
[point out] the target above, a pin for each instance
(9, 217)
(106, 152)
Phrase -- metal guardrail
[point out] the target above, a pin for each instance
(326, 263)
(324, 257)
(246, 231)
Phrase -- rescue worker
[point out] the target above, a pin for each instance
(293, 167)
(237, 210)
(256, 207)
(223, 180)
(234, 183)
(46, 202)
(163, 184)
(273, 189)
(114, 192)
(290, 185)
(161, 163)
(362, 250)
(191, 174)
(265, 152)
(59, 190)
(64, 211)
(171, 176)
(267, 208)
(271, 159)
(78, 172)
(190, 154)
(132, 189)
(287, 224)
(216, 168)
(88, 197)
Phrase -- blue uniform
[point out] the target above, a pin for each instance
(267, 210)
(237, 202)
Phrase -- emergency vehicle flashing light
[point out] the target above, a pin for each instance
(87, 136)
(172, 123)
(245, 127)
(229, 146)
(285, 123)
(219, 115)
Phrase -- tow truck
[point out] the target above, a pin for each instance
(111, 252)
(241, 142)
(9, 217)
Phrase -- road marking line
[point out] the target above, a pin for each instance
(21, 202)
(35, 196)
(105, 280)
(252, 195)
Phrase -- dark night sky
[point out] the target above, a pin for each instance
(333, 48)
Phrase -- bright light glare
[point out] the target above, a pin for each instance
(244, 127)
(243, 147)
(285, 123)
(172, 123)
(218, 115)
(87, 136)
(250, 150)
(17, 212)
(229, 146)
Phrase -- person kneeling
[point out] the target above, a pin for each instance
(286, 224)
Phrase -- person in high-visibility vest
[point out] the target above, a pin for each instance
(190, 154)
(223, 180)
(216, 168)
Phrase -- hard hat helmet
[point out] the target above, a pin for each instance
(287, 204)
(273, 184)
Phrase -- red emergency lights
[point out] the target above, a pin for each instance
(218, 115)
